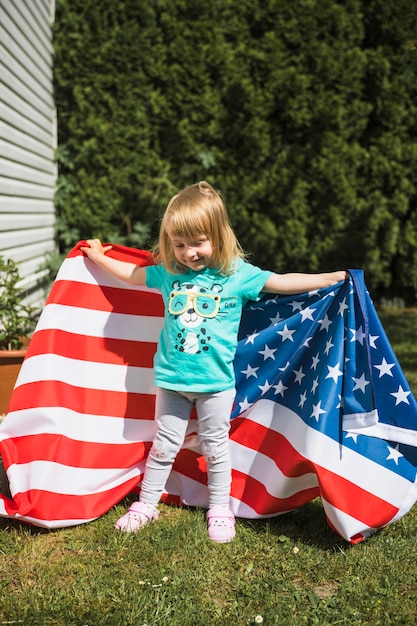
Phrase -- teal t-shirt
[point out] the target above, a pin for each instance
(198, 342)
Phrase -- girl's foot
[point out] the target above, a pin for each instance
(221, 524)
(138, 515)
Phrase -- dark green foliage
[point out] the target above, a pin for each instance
(303, 113)
(16, 317)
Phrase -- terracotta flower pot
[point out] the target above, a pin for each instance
(10, 362)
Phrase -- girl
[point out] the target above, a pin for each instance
(205, 281)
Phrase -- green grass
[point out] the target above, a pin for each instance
(291, 570)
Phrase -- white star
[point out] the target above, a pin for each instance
(268, 353)
(385, 368)
(401, 396)
(306, 344)
(353, 436)
(276, 319)
(244, 405)
(317, 410)
(303, 398)
(360, 383)
(341, 402)
(358, 335)
(372, 339)
(299, 375)
(325, 323)
(280, 389)
(286, 333)
(394, 454)
(342, 307)
(296, 306)
(251, 338)
(315, 362)
(315, 385)
(307, 314)
(250, 371)
(334, 372)
(265, 387)
(329, 346)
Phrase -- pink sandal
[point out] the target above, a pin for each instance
(138, 515)
(221, 524)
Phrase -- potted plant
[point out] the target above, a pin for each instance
(16, 325)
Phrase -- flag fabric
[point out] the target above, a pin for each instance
(322, 407)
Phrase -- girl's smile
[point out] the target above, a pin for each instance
(197, 254)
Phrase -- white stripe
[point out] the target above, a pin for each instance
(388, 432)
(80, 269)
(193, 493)
(346, 525)
(96, 323)
(77, 426)
(352, 421)
(408, 503)
(242, 509)
(263, 469)
(50, 524)
(37, 475)
(329, 454)
(86, 374)
(190, 491)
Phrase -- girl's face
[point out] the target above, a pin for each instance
(197, 254)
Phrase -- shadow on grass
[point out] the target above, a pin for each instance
(7, 523)
(307, 525)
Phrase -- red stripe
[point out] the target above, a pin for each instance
(132, 255)
(66, 451)
(95, 349)
(261, 439)
(353, 500)
(48, 506)
(190, 464)
(254, 493)
(111, 299)
(244, 487)
(81, 400)
(338, 491)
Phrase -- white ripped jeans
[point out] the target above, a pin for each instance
(172, 413)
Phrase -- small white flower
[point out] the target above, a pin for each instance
(296, 550)
(165, 579)
(259, 619)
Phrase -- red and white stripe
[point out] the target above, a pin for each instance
(80, 424)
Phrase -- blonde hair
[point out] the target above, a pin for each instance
(198, 210)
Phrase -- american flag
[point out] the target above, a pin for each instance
(322, 407)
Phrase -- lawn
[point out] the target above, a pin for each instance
(290, 570)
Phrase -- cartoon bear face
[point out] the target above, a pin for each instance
(193, 305)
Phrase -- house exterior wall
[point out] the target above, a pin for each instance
(27, 139)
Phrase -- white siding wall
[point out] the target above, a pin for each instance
(27, 137)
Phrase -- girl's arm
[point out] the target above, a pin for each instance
(129, 272)
(298, 283)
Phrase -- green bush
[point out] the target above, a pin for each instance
(302, 113)
(16, 317)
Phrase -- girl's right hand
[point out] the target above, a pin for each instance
(95, 249)
(128, 272)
